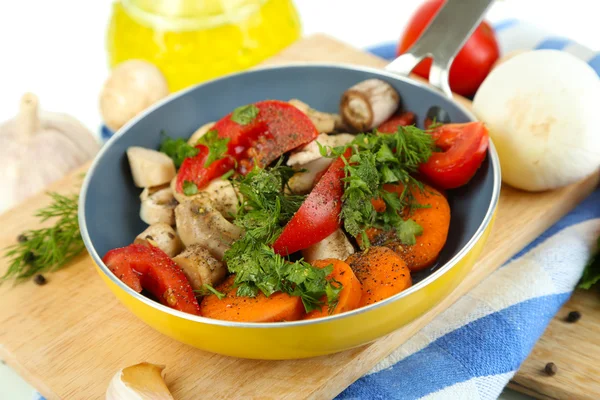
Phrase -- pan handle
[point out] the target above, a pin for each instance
(442, 39)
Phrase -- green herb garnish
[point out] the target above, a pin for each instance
(209, 289)
(591, 274)
(189, 188)
(245, 114)
(378, 159)
(264, 212)
(217, 146)
(177, 149)
(47, 249)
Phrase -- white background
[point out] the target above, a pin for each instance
(56, 49)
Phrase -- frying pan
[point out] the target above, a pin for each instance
(109, 202)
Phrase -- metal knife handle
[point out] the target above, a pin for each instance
(442, 39)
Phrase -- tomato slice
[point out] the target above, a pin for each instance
(319, 215)
(391, 125)
(278, 128)
(463, 150)
(193, 170)
(148, 267)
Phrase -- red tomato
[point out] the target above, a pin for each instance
(319, 215)
(391, 125)
(472, 63)
(278, 128)
(463, 150)
(192, 169)
(148, 267)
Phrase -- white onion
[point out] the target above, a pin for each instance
(542, 109)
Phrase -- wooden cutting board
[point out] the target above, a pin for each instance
(69, 338)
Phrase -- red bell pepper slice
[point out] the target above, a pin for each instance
(319, 215)
(463, 146)
(148, 267)
(277, 128)
(391, 125)
(193, 170)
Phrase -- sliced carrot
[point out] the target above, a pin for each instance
(435, 221)
(381, 272)
(350, 294)
(276, 308)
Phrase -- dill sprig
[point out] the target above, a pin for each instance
(47, 249)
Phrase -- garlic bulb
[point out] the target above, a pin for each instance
(541, 111)
(142, 381)
(37, 148)
(132, 87)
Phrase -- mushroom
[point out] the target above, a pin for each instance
(193, 140)
(133, 86)
(335, 246)
(324, 122)
(150, 167)
(158, 205)
(367, 104)
(200, 267)
(220, 192)
(163, 236)
(37, 148)
(199, 222)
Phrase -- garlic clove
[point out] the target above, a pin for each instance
(144, 381)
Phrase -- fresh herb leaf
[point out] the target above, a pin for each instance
(177, 149)
(227, 174)
(378, 159)
(209, 289)
(47, 249)
(591, 274)
(189, 188)
(217, 146)
(245, 114)
(263, 214)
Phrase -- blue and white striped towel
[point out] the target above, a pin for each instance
(471, 350)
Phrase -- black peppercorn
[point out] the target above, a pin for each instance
(40, 280)
(550, 369)
(28, 257)
(573, 316)
(22, 238)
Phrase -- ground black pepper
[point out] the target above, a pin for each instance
(22, 238)
(573, 316)
(550, 369)
(40, 280)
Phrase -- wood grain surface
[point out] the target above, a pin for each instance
(70, 337)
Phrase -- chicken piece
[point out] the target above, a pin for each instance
(163, 236)
(158, 206)
(303, 182)
(149, 167)
(310, 152)
(335, 245)
(200, 267)
(220, 192)
(324, 122)
(193, 140)
(199, 222)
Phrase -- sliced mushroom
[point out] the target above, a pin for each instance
(324, 122)
(199, 222)
(220, 192)
(310, 152)
(150, 167)
(367, 104)
(158, 206)
(193, 140)
(162, 236)
(200, 267)
(303, 182)
(335, 245)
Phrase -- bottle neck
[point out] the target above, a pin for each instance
(186, 15)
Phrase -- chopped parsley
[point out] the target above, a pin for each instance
(378, 159)
(177, 149)
(217, 146)
(209, 289)
(245, 114)
(262, 215)
(591, 274)
(189, 188)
